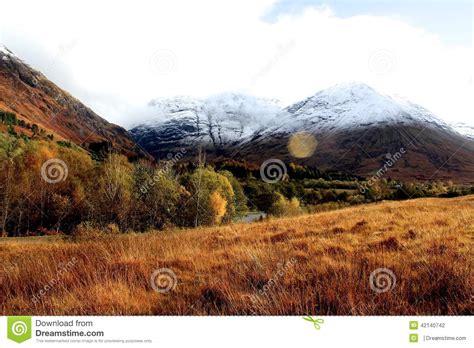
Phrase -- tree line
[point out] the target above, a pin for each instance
(46, 188)
(51, 187)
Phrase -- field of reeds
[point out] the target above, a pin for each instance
(392, 258)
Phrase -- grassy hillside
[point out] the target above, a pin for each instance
(40, 106)
(312, 264)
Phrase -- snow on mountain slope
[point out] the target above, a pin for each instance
(464, 129)
(233, 120)
(6, 51)
(355, 105)
(216, 121)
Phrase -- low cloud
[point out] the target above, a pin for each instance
(248, 111)
(116, 56)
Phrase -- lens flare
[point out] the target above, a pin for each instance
(302, 145)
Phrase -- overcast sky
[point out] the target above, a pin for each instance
(118, 55)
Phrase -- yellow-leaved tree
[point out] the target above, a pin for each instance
(211, 198)
(218, 205)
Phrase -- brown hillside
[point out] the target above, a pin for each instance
(34, 99)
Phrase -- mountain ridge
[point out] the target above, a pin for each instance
(34, 99)
(340, 118)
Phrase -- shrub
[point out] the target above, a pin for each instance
(112, 229)
(264, 201)
(312, 196)
(285, 207)
(86, 230)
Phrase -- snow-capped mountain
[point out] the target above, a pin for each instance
(355, 105)
(230, 118)
(354, 125)
(216, 122)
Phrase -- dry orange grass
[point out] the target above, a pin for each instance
(312, 264)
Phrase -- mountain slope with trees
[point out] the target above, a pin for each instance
(39, 107)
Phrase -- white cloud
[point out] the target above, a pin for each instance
(118, 55)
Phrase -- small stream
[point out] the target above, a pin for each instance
(252, 216)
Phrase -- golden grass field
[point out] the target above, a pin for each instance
(311, 264)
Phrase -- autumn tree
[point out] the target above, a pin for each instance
(240, 200)
(157, 194)
(200, 209)
(10, 151)
(112, 196)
